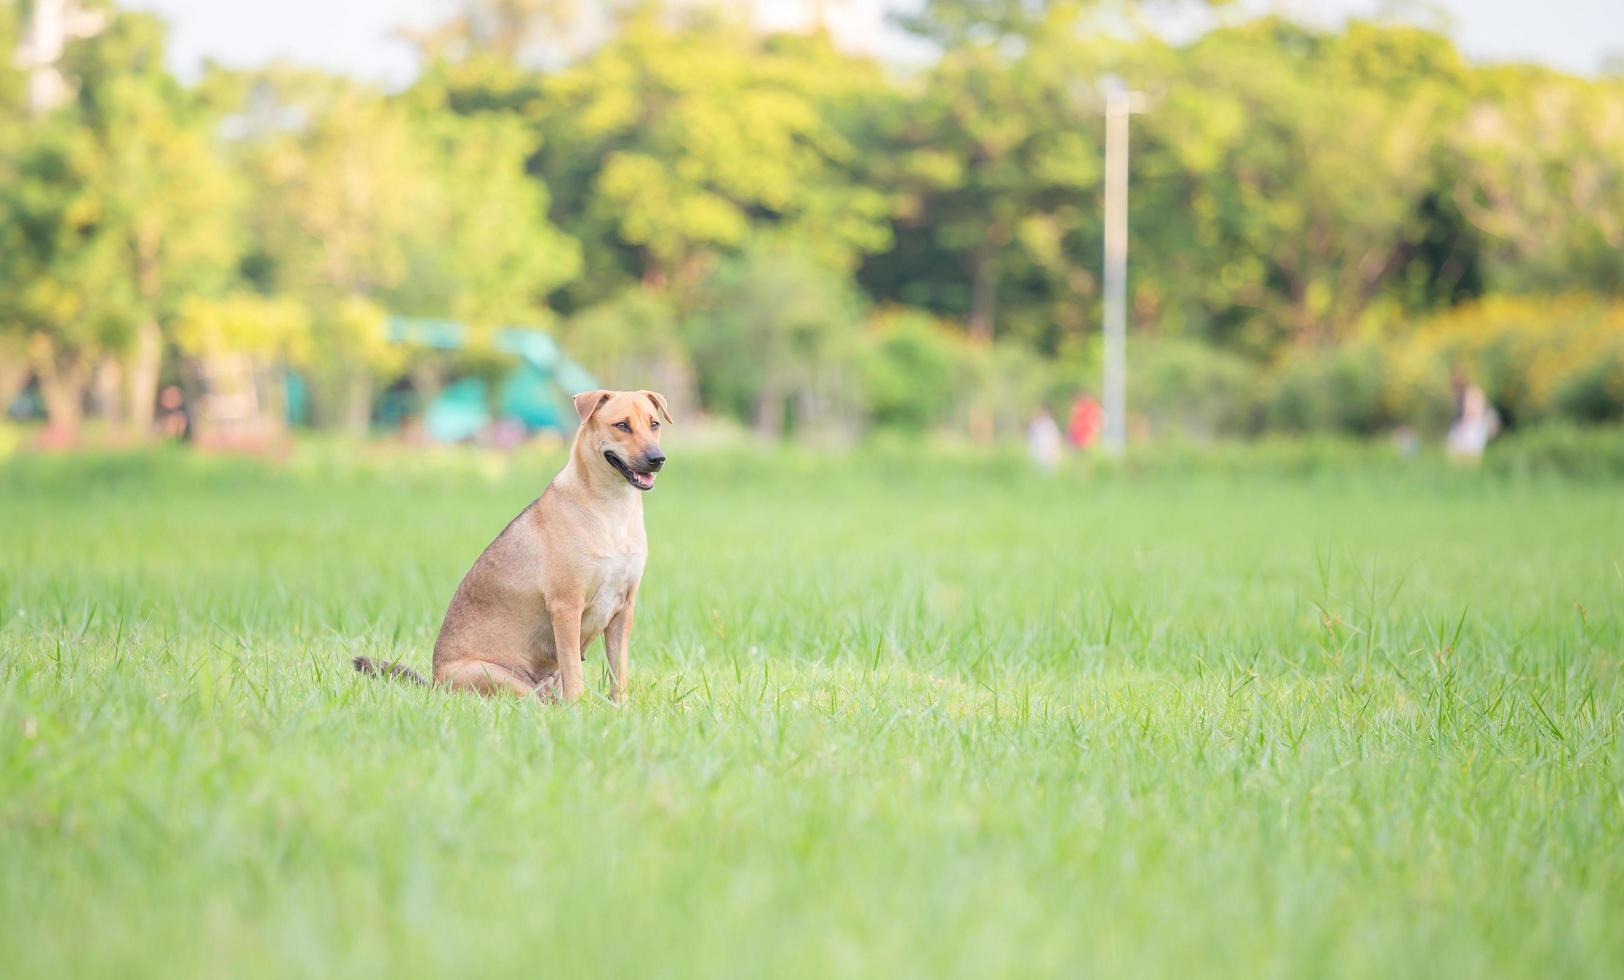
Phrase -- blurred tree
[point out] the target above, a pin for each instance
(1540, 158)
(491, 256)
(913, 370)
(1276, 192)
(14, 368)
(508, 31)
(373, 202)
(951, 24)
(993, 160)
(167, 201)
(244, 323)
(698, 195)
(672, 146)
(64, 292)
(13, 81)
(341, 193)
(340, 207)
(634, 341)
(238, 347)
(115, 208)
(776, 333)
(956, 23)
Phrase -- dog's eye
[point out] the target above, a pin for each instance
(623, 426)
(653, 424)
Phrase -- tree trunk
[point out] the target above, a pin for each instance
(983, 296)
(358, 404)
(62, 382)
(428, 380)
(983, 307)
(106, 390)
(14, 371)
(142, 378)
(769, 423)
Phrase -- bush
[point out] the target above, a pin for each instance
(913, 369)
(1005, 382)
(273, 327)
(1538, 360)
(631, 341)
(1561, 449)
(1188, 388)
(1594, 393)
(1342, 390)
(350, 352)
(774, 340)
(1416, 389)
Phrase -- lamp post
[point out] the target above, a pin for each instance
(1119, 104)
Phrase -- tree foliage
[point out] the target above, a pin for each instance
(681, 144)
(685, 197)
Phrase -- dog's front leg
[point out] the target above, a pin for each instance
(567, 647)
(616, 637)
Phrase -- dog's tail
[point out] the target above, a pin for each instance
(373, 668)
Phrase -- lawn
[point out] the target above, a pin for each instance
(892, 715)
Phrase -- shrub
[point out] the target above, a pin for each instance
(1343, 390)
(1192, 389)
(913, 368)
(273, 327)
(1417, 390)
(1594, 392)
(1537, 359)
(1560, 449)
(774, 338)
(1004, 383)
(632, 341)
(350, 351)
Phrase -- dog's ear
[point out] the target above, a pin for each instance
(588, 402)
(659, 405)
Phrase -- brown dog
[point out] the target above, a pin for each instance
(563, 571)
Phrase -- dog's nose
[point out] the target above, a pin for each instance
(654, 459)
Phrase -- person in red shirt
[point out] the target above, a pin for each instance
(1087, 417)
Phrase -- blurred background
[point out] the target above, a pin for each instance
(823, 221)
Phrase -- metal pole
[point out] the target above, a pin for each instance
(1118, 105)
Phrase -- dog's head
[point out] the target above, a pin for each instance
(621, 430)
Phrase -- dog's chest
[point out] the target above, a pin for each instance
(616, 576)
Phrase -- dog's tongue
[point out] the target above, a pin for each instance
(644, 479)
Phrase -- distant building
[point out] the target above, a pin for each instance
(856, 26)
(51, 24)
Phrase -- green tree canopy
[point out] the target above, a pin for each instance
(679, 145)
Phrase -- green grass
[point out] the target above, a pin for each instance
(892, 716)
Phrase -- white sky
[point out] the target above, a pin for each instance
(355, 36)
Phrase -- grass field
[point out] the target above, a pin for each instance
(891, 716)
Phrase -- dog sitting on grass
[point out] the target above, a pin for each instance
(564, 571)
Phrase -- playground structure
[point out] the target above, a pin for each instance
(535, 394)
(243, 402)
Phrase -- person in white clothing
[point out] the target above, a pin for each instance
(1043, 439)
(1478, 423)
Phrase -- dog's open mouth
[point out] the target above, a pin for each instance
(638, 478)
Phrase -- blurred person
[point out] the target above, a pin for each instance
(1087, 418)
(174, 419)
(1043, 442)
(505, 434)
(1478, 423)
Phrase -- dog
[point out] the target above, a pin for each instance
(566, 570)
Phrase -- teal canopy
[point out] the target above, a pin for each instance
(459, 412)
(536, 393)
